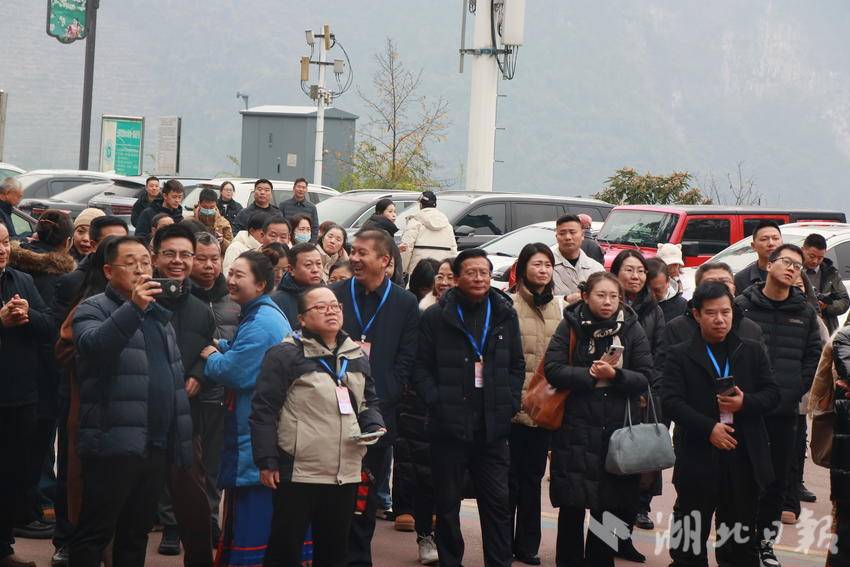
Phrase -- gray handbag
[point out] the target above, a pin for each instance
(640, 448)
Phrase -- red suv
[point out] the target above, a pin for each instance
(702, 230)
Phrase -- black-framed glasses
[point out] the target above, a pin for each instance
(326, 308)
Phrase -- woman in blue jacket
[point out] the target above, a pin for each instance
(236, 364)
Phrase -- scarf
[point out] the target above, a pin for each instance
(602, 333)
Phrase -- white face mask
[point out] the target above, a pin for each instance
(301, 237)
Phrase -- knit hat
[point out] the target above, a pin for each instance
(88, 215)
(670, 253)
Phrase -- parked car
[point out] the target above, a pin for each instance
(24, 224)
(477, 216)
(119, 200)
(9, 170)
(47, 183)
(837, 235)
(73, 201)
(702, 230)
(504, 250)
(244, 192)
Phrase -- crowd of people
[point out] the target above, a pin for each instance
(262, 386)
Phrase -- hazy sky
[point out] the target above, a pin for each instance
(655, 85)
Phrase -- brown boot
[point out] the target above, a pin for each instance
(15, 561)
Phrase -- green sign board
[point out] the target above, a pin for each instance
(121, 143)
(66, 20)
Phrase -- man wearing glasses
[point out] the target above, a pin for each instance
(791, 334)
(134, 413)
(194, 326)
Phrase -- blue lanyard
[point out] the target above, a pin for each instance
(717, 366)
(365, 328)
(343, 367)
(478, 347)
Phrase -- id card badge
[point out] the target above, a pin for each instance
(344, 400)
(726, 417)
(479, 374)
(367, 348)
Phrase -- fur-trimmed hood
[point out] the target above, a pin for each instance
(36, 263)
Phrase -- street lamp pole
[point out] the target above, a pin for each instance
(88, 80)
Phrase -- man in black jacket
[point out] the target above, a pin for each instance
(299, 205)
(25, 323)
(383, 318)
(134, 413)
(470, 370)
(208, 412)
(262, 203)
(766, 239)
(791, 334)
(10, 195)
(723, 457)
(150, 195)
(68, 285)
(830, 290)
(683, 328)
(194, 326)
(169, 203)
(305, 270)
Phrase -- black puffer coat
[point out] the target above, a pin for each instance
(445, 368)
(195, 328)
(792, 338)
(683, 328)
(286, 297)
(651, 318)
(592, 414)
(839, 468)
(225, 313)
(112, 369)
(380, 222)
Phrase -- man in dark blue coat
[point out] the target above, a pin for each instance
(25, 323)
(134, 412)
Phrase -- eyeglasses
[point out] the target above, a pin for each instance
(133, 265)
(172, 254)
(602, 296)
(325, 308)
(476, 273)
(634, 271)
(789, 263)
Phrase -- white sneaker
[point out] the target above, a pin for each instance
(427, 550)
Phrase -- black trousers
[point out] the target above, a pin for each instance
(17, 435)
(733, 500)
(377, 462)
(782, 434)
(29, 508)
(63, 530)
(529, 449)
(571, 549)
(488, 466)
(327, 508)
(798, 463)
(119, 498)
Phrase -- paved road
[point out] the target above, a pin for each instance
(394, 549)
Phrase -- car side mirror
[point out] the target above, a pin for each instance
(464, 231)
(690, 249)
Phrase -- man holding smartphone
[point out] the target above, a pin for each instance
(790, 328)
(194, 327)
(716, 388)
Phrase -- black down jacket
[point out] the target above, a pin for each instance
(792, 339)
(225, 313)
(194, 327)
(446, 365)
(839, 468)
(651, 318)
(286, 297)
(112, 369)
(592, 414)
(683, 328)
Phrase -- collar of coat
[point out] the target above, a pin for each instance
(214, 294)
(314, 348)
(698, 354)
(795, 302)
(35, 262)
(500, 304)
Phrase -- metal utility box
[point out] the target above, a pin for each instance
(279, 142)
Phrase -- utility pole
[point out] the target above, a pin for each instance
(88, 80)
(319, 92)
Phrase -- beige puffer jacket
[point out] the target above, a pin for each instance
(429, 234)
(536, 327)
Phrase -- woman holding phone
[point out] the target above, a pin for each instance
(314, 412)
(600, 354)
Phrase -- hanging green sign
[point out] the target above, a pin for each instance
(66, 20)
(121, 143)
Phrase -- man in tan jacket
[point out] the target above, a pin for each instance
(206, 213)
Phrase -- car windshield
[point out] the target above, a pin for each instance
(82, 193)
(741, 254)
(4, 173)
(341, 210)
(639, 228)
(512, 243)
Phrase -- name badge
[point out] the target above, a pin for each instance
(726, 418)
(344, 400)
(479, 374)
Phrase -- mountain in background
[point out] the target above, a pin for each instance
(655, 85)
